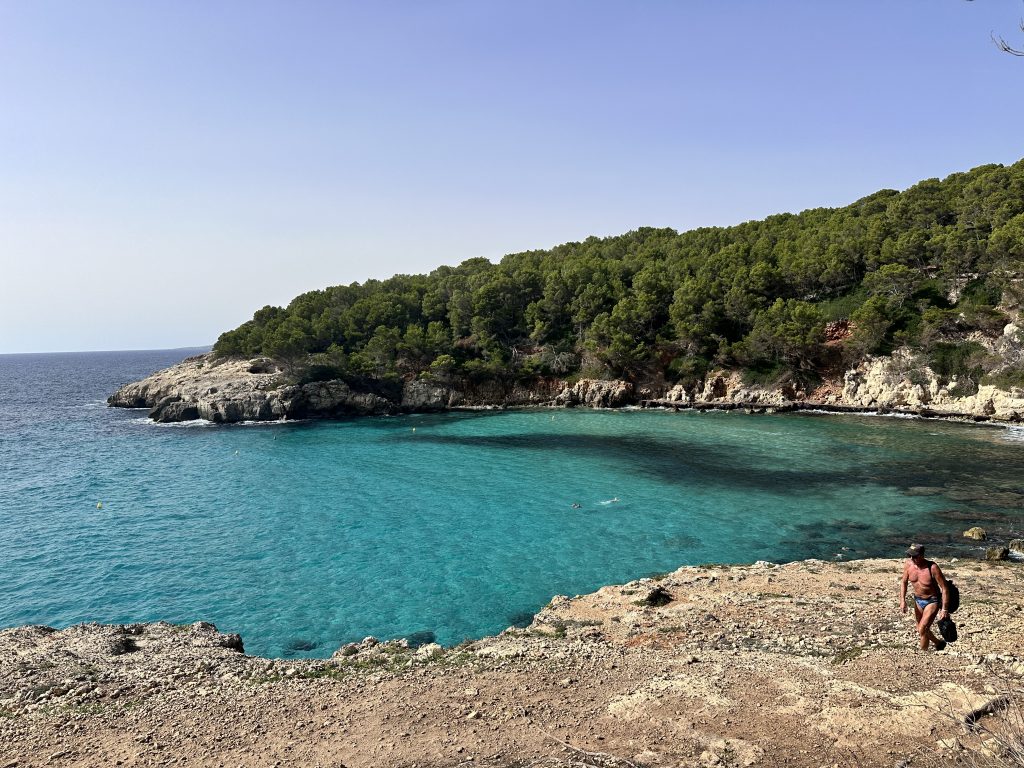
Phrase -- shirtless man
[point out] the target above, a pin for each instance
(931, 598)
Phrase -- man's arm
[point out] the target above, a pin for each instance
(903, 589)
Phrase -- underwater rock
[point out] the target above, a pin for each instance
(423, 637)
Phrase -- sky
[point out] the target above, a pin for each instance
(169, 167)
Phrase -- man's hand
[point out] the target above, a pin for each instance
(903, 606)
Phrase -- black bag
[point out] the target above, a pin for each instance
(952, 595)
(947, 628)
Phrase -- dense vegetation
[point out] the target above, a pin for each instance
(923, 267)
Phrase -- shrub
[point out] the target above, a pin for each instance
(963, 360)
(1011, 377)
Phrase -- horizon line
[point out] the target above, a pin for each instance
(100, 351)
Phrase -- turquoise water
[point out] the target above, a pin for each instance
(303, 536)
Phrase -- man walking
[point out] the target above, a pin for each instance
(931, 596)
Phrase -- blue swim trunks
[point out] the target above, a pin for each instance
(924, 602)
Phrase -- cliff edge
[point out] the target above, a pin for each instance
(228, 390)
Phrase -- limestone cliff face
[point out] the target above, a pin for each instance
(232, 390)
(904, 381)
(726, 388)
(225, 391)
(894, 383)
(595, 393)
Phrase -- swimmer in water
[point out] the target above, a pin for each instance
(576, 505)
(611, 501)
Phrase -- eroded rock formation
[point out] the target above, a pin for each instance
(233, 390)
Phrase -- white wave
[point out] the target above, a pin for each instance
(197, 423)
(93, 405)
(204, 423)
(1014, 434)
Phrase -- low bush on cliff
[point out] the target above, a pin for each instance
(1011, 377)
(921, 267)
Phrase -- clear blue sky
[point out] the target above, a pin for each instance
(167, 168)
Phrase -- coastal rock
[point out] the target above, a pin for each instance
(330, 399)
(204, 386)
(424, 395)
(904, 382)
(658, 597)
(174, 410)
(977, 533)
(370, 648)
(226, 390)
(233, 390)
(679, 394)
(595, 393)
(724, 388)
(1016, 546)
(997, 553)
(428, 651)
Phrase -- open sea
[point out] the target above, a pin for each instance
(304, 536)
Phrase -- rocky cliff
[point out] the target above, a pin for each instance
(226, 390)
(233, 390)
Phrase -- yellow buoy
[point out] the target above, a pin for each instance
(99, 505)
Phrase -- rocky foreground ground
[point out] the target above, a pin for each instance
(805, 664)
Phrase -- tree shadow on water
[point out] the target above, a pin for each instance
(680, 463)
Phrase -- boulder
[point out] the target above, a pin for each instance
(997, 553)
(715, 388)
(977, 533)
(1017, 546)
(428, 651)
(658, 597)
(679, 394)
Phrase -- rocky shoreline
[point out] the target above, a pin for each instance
(803, 664)
(228, 390)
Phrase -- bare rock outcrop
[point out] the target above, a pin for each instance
(231, 390)
(596, 393)
(95, 664)
(726, 389)
(226, 390)
(902, 381)
(222, 390)
(427, 395)
(821, 644)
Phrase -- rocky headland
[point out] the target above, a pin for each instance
(803, 664)
(224, 389)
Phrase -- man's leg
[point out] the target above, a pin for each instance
(924, 624)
